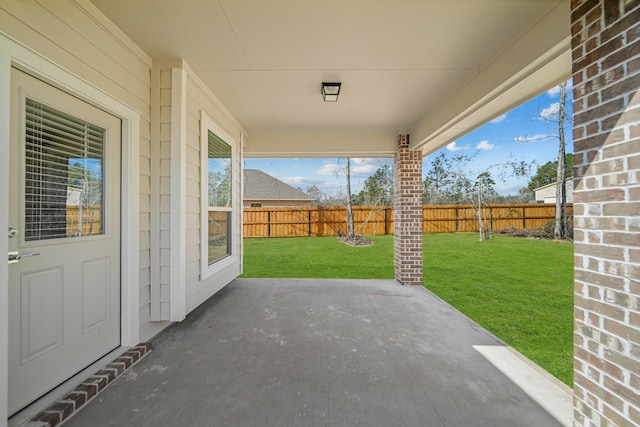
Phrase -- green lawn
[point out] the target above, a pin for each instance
(519, 289)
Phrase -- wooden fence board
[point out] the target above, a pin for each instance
(331, 220)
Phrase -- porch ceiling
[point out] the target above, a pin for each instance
(434, 69)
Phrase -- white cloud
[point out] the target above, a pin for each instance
(499, 118)
(360, 167)
(550, 111)
(484, 145)
(362, 170)
(452, 146)
(532, 138)
(329, 169)
(296, 181)
(555, 91)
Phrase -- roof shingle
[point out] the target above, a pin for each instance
(261, 186)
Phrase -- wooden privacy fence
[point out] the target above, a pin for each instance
(329, 220)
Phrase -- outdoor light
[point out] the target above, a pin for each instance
(330, 91)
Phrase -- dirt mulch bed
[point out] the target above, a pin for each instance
(540, 233)
(355, 241)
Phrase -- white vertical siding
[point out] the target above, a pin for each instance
(199, 100)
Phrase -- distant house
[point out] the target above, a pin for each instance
(263, 190)
(547, 193)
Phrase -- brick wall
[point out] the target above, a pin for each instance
(407, 178)
(606, 75)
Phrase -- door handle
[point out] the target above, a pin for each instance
(12, 232)
(16, 256)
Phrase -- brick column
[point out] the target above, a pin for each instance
(407, 201)
(606, 75)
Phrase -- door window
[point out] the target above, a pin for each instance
(64, 185)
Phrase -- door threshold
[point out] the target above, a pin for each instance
(69, 397)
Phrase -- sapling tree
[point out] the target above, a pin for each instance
(484, 190)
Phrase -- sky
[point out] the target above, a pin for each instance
(519, 135)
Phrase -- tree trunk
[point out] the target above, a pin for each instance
(559, 231)
(350, 228)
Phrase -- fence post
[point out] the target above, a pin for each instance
(456, 219)
(268, 223)
(490, 219)
(524, 218)
(309, 222)
(386, 218)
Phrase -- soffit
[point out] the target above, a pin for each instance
(399, 61)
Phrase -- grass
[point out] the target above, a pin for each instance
(519, 289)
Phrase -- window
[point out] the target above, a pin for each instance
(64, 187)
(219, 183)
(217, 195)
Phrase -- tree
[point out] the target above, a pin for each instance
(447, 181)
(559, 116)
(378, 189)
(87, 182)
(350, 227)
(548, 173)
(315, 192)
(559, 231)
(483, 187)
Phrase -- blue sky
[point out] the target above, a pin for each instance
(518, 135)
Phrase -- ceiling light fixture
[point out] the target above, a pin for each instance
(330, 91)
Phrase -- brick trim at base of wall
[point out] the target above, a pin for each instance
(72, 402)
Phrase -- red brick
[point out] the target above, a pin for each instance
(605, 110)
(89, 389)
(629, 5)
(611, 12)
(622, 55)
(598, 141)
(631, 18)
(622, 87)
(99, 382)
(623, 149)
(624, 239)
(53, 418)
(593, 15)
(616, 419)
(64, 408)
(580, 9)
(622, 209)
(127, 361)
(633, 66)
(596, 54)
(78, 398)
(622, 330)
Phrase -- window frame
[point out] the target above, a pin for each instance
(207, 124)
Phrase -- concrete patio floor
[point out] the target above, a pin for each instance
(288, 352)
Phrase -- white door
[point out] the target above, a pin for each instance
(64, 304)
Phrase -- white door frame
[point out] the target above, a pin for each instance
(15, 54)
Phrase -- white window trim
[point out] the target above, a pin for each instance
(208, 124)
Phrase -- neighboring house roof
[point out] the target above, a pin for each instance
(261, 186)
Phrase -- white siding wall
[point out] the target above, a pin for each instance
(200, 99)
(77, 37)
(164, 213)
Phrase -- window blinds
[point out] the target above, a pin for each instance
(63, 174)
